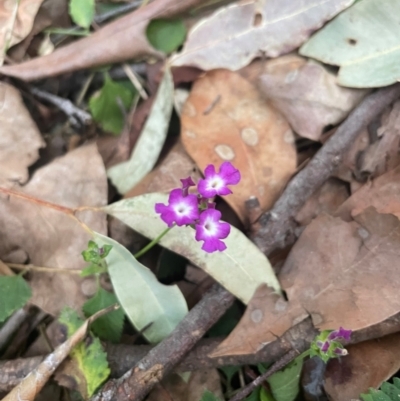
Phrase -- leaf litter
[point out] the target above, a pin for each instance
(268, 119)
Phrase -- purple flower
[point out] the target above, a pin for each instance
(210, 230)
(216, 183)
(340, 351)
(340, 334)
(182, 210)
(324, 346)
(186, 184)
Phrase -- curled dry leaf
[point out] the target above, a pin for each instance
(307, 94)
(121, 40)
(226, 118)
(48, 237)
(368, 365)
(20, 139)
(335, 272)
(29, 387)
(16, 21)
(236, 34)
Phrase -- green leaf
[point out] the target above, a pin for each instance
(14, 294)
(241, 268)
(148, 147)
(265, 395)
(229, 372)
(285, 383)
(142, 297)
(388, 392)
(364, 41)
(254, 396)
(166, 35)
(93, 269)
(82, 12)
(209, 396)
(105, 108)
(109, 326)
(90, 359)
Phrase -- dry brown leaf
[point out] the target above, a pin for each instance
(336, 273)
(307, 94)
(118, 41)
(368, 365)
(236, 34)
(16, 21)
(226, 118)
(383, 194)
(20, 140)
(29, 387)
(325, 200)
(176, 389)
(48, 237)
(176, 165)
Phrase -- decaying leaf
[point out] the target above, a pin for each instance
(236, 34)
(226, 118)
(48, 237)
(332, 273)
(20, 140)
(148, 147)
(364, 42)
(241, 268)
(307, 94)
(167, 175)
(29, 387)
(16, 21)
(367, 365)
(106, 46)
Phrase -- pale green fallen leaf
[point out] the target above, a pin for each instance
(241, 268)
(14, 294)
(364, 41)
(148, 147)
(144, 299)
(82, 12)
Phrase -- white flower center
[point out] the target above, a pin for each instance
(181, 209)
(215, 183)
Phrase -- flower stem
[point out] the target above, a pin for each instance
(152, 243)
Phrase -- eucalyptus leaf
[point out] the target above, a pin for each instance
(14, 294)
(285, 383)
(145, 301)
(148, 147)
(241, 268)
(364, 41)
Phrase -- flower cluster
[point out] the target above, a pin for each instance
(199, 211)
(329, 344)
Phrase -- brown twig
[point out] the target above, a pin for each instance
(275, 228)
(160, 361)
(278, 365)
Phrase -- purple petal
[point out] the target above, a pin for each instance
(230, 174)
(212, 245)
(341, 333)
(175, 196)
(209, 171)
(167, 215)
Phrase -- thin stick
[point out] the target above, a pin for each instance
(275, 228)
(160, 361)
(278, 365)
(43, 269)
(135, 81)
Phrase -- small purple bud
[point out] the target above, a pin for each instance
(186, 184)
(340, 351)
(325, 346)
(101, 251)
